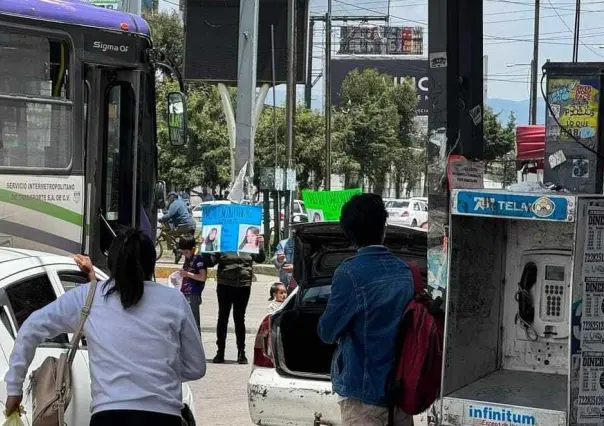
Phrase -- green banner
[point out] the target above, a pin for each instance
(326, 205)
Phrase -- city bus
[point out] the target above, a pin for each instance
(78, 155)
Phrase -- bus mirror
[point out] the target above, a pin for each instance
(177, 118)
(160, 194)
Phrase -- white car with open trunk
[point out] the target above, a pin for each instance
(290, 382)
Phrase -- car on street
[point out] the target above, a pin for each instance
(290, 380)
(412, 212)
(29, 280)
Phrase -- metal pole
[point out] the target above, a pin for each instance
(327, 78)
(290, 103)
(246, 85)
(530, 78)
(577, 31)
(534, 63)
(227, 108)
(308, 85)
(274, 100)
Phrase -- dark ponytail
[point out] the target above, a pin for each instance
(131, 261)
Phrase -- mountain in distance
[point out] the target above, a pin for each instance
(503, 107)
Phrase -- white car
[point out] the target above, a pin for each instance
(412, 212)
(290, 383)
(29, 280)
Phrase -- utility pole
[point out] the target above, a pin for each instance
(534, 63)
(327, 77)
(246, 85)
(532, 106)
(290, 105)
(308, 85)
(577, 31)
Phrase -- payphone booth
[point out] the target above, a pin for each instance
(524, 336)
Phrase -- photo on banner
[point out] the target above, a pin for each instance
(316, 215)
(211, 238)
(328, 204)
(230, 228)
(248, 237)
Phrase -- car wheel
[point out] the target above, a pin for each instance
(414, 223)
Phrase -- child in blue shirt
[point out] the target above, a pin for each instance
(193, 274)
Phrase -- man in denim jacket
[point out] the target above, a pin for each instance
(369, 293)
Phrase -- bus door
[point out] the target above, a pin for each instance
(111, 153)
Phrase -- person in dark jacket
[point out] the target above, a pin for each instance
(234, 280)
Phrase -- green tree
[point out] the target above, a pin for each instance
(168, 35)
(374, 129)
(499, 143)
(309, 144)
(206, 160)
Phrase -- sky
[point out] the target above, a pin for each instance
(508, 35)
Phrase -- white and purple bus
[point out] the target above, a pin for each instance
(78, 154)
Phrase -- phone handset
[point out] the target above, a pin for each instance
(526, 305)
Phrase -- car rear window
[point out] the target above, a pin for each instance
(400, 204)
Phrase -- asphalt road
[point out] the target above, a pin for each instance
(221, 396)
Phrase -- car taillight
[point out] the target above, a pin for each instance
(405, 214)
(263, 345)
(282, 216)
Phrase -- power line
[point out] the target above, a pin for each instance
(571, 31)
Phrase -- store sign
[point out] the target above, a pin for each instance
(514, 206)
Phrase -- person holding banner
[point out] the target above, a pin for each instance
(234, 280)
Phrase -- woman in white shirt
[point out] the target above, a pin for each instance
(142, 340)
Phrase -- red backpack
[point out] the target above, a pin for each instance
(416, 376)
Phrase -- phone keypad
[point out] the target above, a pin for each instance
(554, 298)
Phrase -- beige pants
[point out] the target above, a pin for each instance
(356, 413)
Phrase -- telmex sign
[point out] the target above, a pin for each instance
(399, 67)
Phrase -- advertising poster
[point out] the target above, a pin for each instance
(590, 400)
(230, 228)
(326, 205)
(575, 103)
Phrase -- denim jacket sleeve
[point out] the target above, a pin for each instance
(171, 213)
(342, 306)
(280, 248)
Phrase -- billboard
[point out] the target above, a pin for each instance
(381, 40)
(212, 40)
(399, 67)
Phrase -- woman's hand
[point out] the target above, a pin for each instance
(13, 403)
(85, 265)
(259, 240)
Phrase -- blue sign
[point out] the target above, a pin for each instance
(514, 206)
(230, 228)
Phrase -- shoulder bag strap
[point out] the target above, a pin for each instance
(77, 336)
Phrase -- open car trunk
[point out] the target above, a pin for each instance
(320, 248)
